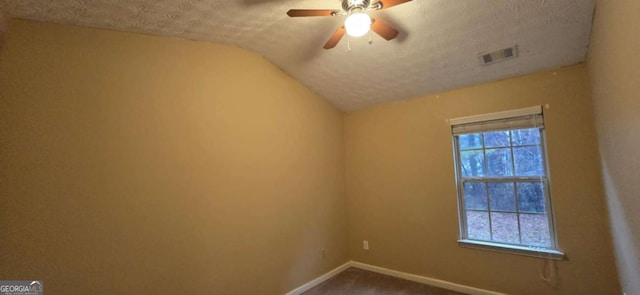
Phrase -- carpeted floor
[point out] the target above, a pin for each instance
(354, 281)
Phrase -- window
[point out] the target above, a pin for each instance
(503, 183)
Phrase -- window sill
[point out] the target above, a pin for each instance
(512, 249)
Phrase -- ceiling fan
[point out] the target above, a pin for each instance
(358, 22)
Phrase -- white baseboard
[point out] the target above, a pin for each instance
(319, 280)
(394, 273)
(424, 280)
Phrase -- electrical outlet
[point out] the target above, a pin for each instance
(365, 245)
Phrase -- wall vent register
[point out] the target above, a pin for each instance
(499, 55)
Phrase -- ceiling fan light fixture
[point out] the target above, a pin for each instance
(357, 24)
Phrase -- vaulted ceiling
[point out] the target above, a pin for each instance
(437, 48)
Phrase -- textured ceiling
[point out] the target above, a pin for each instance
(437, 48)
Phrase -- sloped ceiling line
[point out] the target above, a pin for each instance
(436, 50)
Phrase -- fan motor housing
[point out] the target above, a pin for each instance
(349, 5)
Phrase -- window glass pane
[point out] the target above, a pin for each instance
(525, 136)
(535, 229)
(531, 197)
(504, 187)
(504, 227)
(475, 195)
(499, 162)
(470, 141)
(502, 196)
(496, 139)
(472, 163)
(478, 225)
(528, 161)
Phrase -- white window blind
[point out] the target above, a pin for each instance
(515, 119)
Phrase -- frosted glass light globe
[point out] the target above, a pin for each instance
(357, 24)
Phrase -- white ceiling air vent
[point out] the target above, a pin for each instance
(499, 55)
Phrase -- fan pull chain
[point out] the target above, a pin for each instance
(370, 38)
(348, 44)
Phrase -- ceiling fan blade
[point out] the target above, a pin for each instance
(310, 12)
(391, 3)
(385, 31)
(333, 41)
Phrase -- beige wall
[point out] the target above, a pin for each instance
(132, 164)
(614, 68)
(402, 197)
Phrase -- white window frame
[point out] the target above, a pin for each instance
(500, 121)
